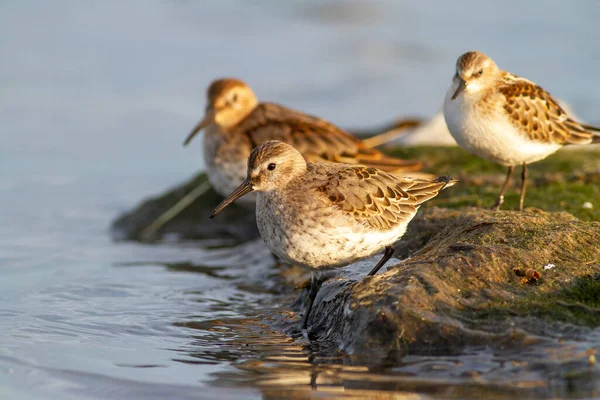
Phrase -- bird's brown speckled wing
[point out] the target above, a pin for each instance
(374, 197)
(538, 116)
(316, 139)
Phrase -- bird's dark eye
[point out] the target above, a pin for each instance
(234, 98)
(479, 73)
(271, 166)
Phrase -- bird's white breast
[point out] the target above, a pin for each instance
(321, 237)
(489, 133)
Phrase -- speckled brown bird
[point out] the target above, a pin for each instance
(507, 119)
(325, 215)
(235, 122)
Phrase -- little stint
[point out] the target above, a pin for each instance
(326, 215)
(507, 119)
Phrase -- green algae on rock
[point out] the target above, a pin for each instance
(568, 180)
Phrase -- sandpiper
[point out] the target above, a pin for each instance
(235, 122)
(325, 215)
(507, 119)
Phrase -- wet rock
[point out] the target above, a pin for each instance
(460, 287)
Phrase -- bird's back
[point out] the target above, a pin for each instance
(316, 139)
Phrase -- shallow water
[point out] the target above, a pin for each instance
(95, 101)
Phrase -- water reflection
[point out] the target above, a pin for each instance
(281, 366)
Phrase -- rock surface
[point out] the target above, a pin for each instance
(468, 283)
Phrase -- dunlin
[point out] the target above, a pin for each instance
(325, 215)
(507, 119)
(235, 122)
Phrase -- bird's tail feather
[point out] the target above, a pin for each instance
(595, 130)
(392, 132)
(424, 190)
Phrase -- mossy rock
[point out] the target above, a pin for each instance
(468, 284)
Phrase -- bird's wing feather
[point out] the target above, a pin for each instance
(537, 115)
(374, 197)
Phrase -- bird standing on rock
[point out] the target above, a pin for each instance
(507, 119)
(326, 215)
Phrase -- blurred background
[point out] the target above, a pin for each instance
(96, 98)
(98, 88)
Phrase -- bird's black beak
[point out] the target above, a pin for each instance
(243, 189)
(208, 119)
(462, 85)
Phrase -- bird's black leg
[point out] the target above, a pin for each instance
(523, 186)
(389, 251)
(315, 285)
(500, 199)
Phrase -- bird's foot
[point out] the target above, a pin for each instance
(497, 204)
